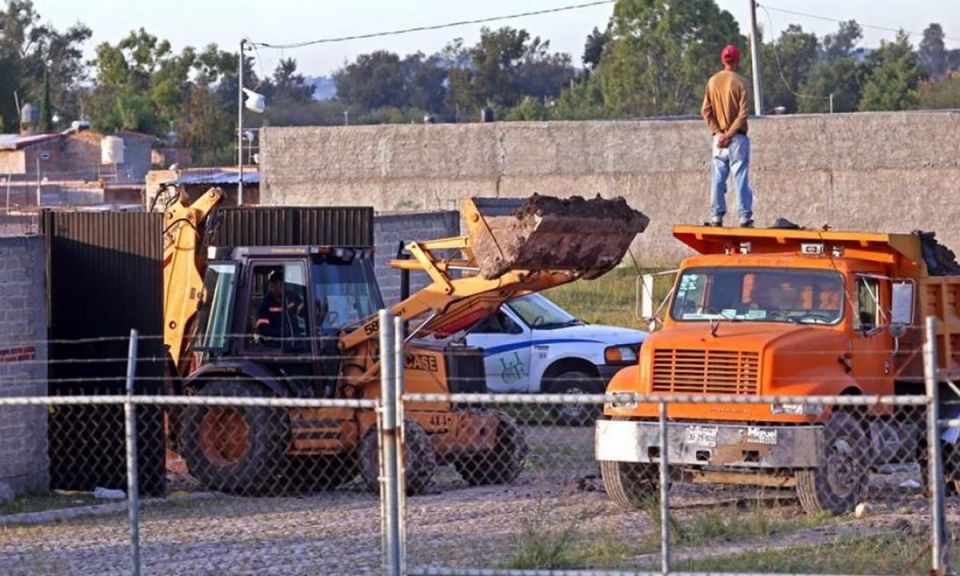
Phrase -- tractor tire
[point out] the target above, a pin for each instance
(575, 382)
(503, 464)
(235, 449)
(840, 481)
(631, 485)
(419, 458)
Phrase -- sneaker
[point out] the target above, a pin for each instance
(747, 224)
(715, 222)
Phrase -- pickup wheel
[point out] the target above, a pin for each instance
(504, 463)
(840, 481)
(419, 458)
(630, 485)
(575, 382)
(235, 449)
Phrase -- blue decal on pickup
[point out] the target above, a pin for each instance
(517, 345)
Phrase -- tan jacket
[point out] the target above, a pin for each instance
(726, 104)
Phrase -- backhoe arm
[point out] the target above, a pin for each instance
(183, 268)
(512, 248)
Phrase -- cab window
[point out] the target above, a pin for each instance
(277, 311)
(868, 309)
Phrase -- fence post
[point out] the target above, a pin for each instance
(133, 493)
(389, 479)
(664, 493)
(931, 373)
(399, 348)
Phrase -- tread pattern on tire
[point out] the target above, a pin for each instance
(502, 465)
(630, 485)
(420, 458)
(813, 485)
(258, 471)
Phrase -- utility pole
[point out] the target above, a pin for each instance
(240, 125)
(755, 59)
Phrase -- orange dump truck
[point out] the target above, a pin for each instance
(787, 312)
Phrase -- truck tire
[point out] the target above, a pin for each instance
(575, 382)
(631, 485)
(839, 483)
(419, 458)
(235, 449)
(504, 463)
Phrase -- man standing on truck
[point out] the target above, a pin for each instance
(725, 108)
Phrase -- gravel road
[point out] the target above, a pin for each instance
(339, 532)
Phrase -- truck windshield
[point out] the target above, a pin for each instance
(346, 291)
(216, 315)
(539, 312)
(759, 294)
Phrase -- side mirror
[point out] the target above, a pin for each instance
(901, 314)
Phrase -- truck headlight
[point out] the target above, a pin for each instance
(620, 354)
(778, 408)
(623, 402)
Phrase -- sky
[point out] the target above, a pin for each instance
(200, 22)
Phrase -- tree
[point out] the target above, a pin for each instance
(933, 52)
(841, 44)
(839, 79)
(492, 76)
(373, 81)
(894, 76)
(424, 81)
(660, 54)
(944, 94)
(289, 86)
(28, 50)
(46, 114)
(786, 64)
(593, 49)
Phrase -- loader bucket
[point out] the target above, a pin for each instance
(547, 233)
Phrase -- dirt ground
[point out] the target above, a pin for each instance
(558, 499)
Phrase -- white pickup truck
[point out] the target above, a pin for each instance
(533, 345)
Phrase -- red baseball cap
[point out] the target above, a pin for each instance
(730, 54)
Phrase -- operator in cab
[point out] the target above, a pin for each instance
(278, 312)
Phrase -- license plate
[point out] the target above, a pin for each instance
(701, 436)
(757, 435)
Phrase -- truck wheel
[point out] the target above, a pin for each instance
(504, 463)
(840, 481)
(235, 449)
(419, 458)
(630, 485)
(575, 382)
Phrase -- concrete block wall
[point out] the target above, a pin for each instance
(24, 466)
(890, 171)
(391, 229)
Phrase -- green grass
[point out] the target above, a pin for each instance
(49, 501)
(879, 554)
(609, 299)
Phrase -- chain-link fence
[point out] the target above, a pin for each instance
(250, 482)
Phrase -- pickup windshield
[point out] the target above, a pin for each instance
(759, 294)
(539, 312)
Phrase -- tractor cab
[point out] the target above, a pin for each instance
(283, 309)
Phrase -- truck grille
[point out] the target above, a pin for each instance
(706, 372)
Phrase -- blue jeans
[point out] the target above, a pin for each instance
(735, 156)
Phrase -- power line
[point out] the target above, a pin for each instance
(434, 27)
(829, 19)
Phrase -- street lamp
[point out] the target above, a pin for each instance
(255, 103)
